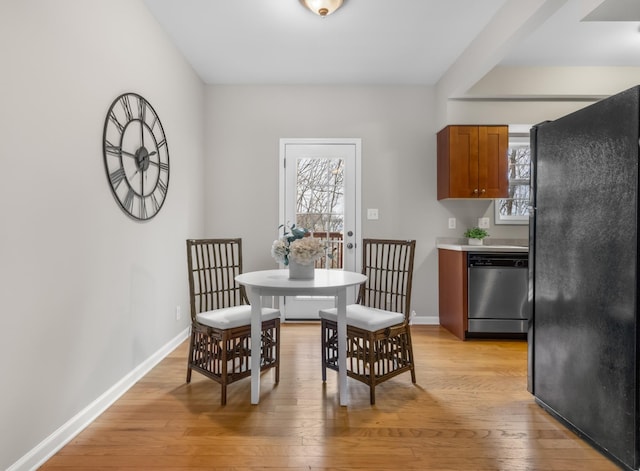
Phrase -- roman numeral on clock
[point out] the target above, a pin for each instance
(116, 177)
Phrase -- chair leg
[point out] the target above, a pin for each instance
(277, 332)
(372, 368)
(270, 346)
(410, 353)
(191, 346)
(323, 347)
(224, 345)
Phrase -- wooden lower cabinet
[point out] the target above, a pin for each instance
(452, 291)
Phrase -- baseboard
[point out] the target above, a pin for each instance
(54, 442)
(425, 320)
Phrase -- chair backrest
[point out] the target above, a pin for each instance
(388, 265)
(213, 265)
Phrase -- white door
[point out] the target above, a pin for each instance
(320, 191)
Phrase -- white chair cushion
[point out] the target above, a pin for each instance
(367, 318)
(236, 316)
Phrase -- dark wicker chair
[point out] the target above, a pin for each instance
(378, 332)
(221, 343)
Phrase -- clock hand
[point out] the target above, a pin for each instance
(134, 155)
(115, 150)
(122, 151)
(141, 180)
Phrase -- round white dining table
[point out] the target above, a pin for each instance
(277, 283)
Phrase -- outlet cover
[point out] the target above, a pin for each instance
(372, 213)
(452, 223)
(483, 223)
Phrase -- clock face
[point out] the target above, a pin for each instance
(136, 156)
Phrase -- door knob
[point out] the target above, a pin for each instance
(349, 245)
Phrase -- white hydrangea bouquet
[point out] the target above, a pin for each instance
(297, 246)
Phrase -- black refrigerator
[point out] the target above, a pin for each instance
(584, 329)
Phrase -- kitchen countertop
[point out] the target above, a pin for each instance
(489, 245)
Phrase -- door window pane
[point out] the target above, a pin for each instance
(320, 204)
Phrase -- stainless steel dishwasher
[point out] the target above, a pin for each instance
(497, 292)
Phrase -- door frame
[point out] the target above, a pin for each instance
(357, 143)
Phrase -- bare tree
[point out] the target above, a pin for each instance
(517, 203)
(320, 198)
(320, 205)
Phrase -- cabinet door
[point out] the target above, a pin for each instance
(463, 164)
(493, 142)
(472, 162)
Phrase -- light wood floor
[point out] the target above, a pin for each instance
(470, 410)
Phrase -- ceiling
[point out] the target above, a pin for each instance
(412, 42)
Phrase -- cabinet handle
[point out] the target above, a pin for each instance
(475, 191)
(483, 191)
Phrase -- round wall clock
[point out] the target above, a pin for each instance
(136, 156)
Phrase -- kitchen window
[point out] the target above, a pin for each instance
(515, 208)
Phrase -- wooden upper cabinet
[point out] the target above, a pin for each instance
(472, 162)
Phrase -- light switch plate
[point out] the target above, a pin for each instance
(372, 213)
(452, 223)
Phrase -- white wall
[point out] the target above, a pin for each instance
(554, 83)
(396, 125)
(530, 95)
(87, 293)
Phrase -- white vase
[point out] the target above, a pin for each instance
(297, 271)
(475, 241)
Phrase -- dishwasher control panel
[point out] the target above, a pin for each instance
(519, 260)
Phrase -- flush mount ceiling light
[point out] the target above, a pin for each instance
(322, 7)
